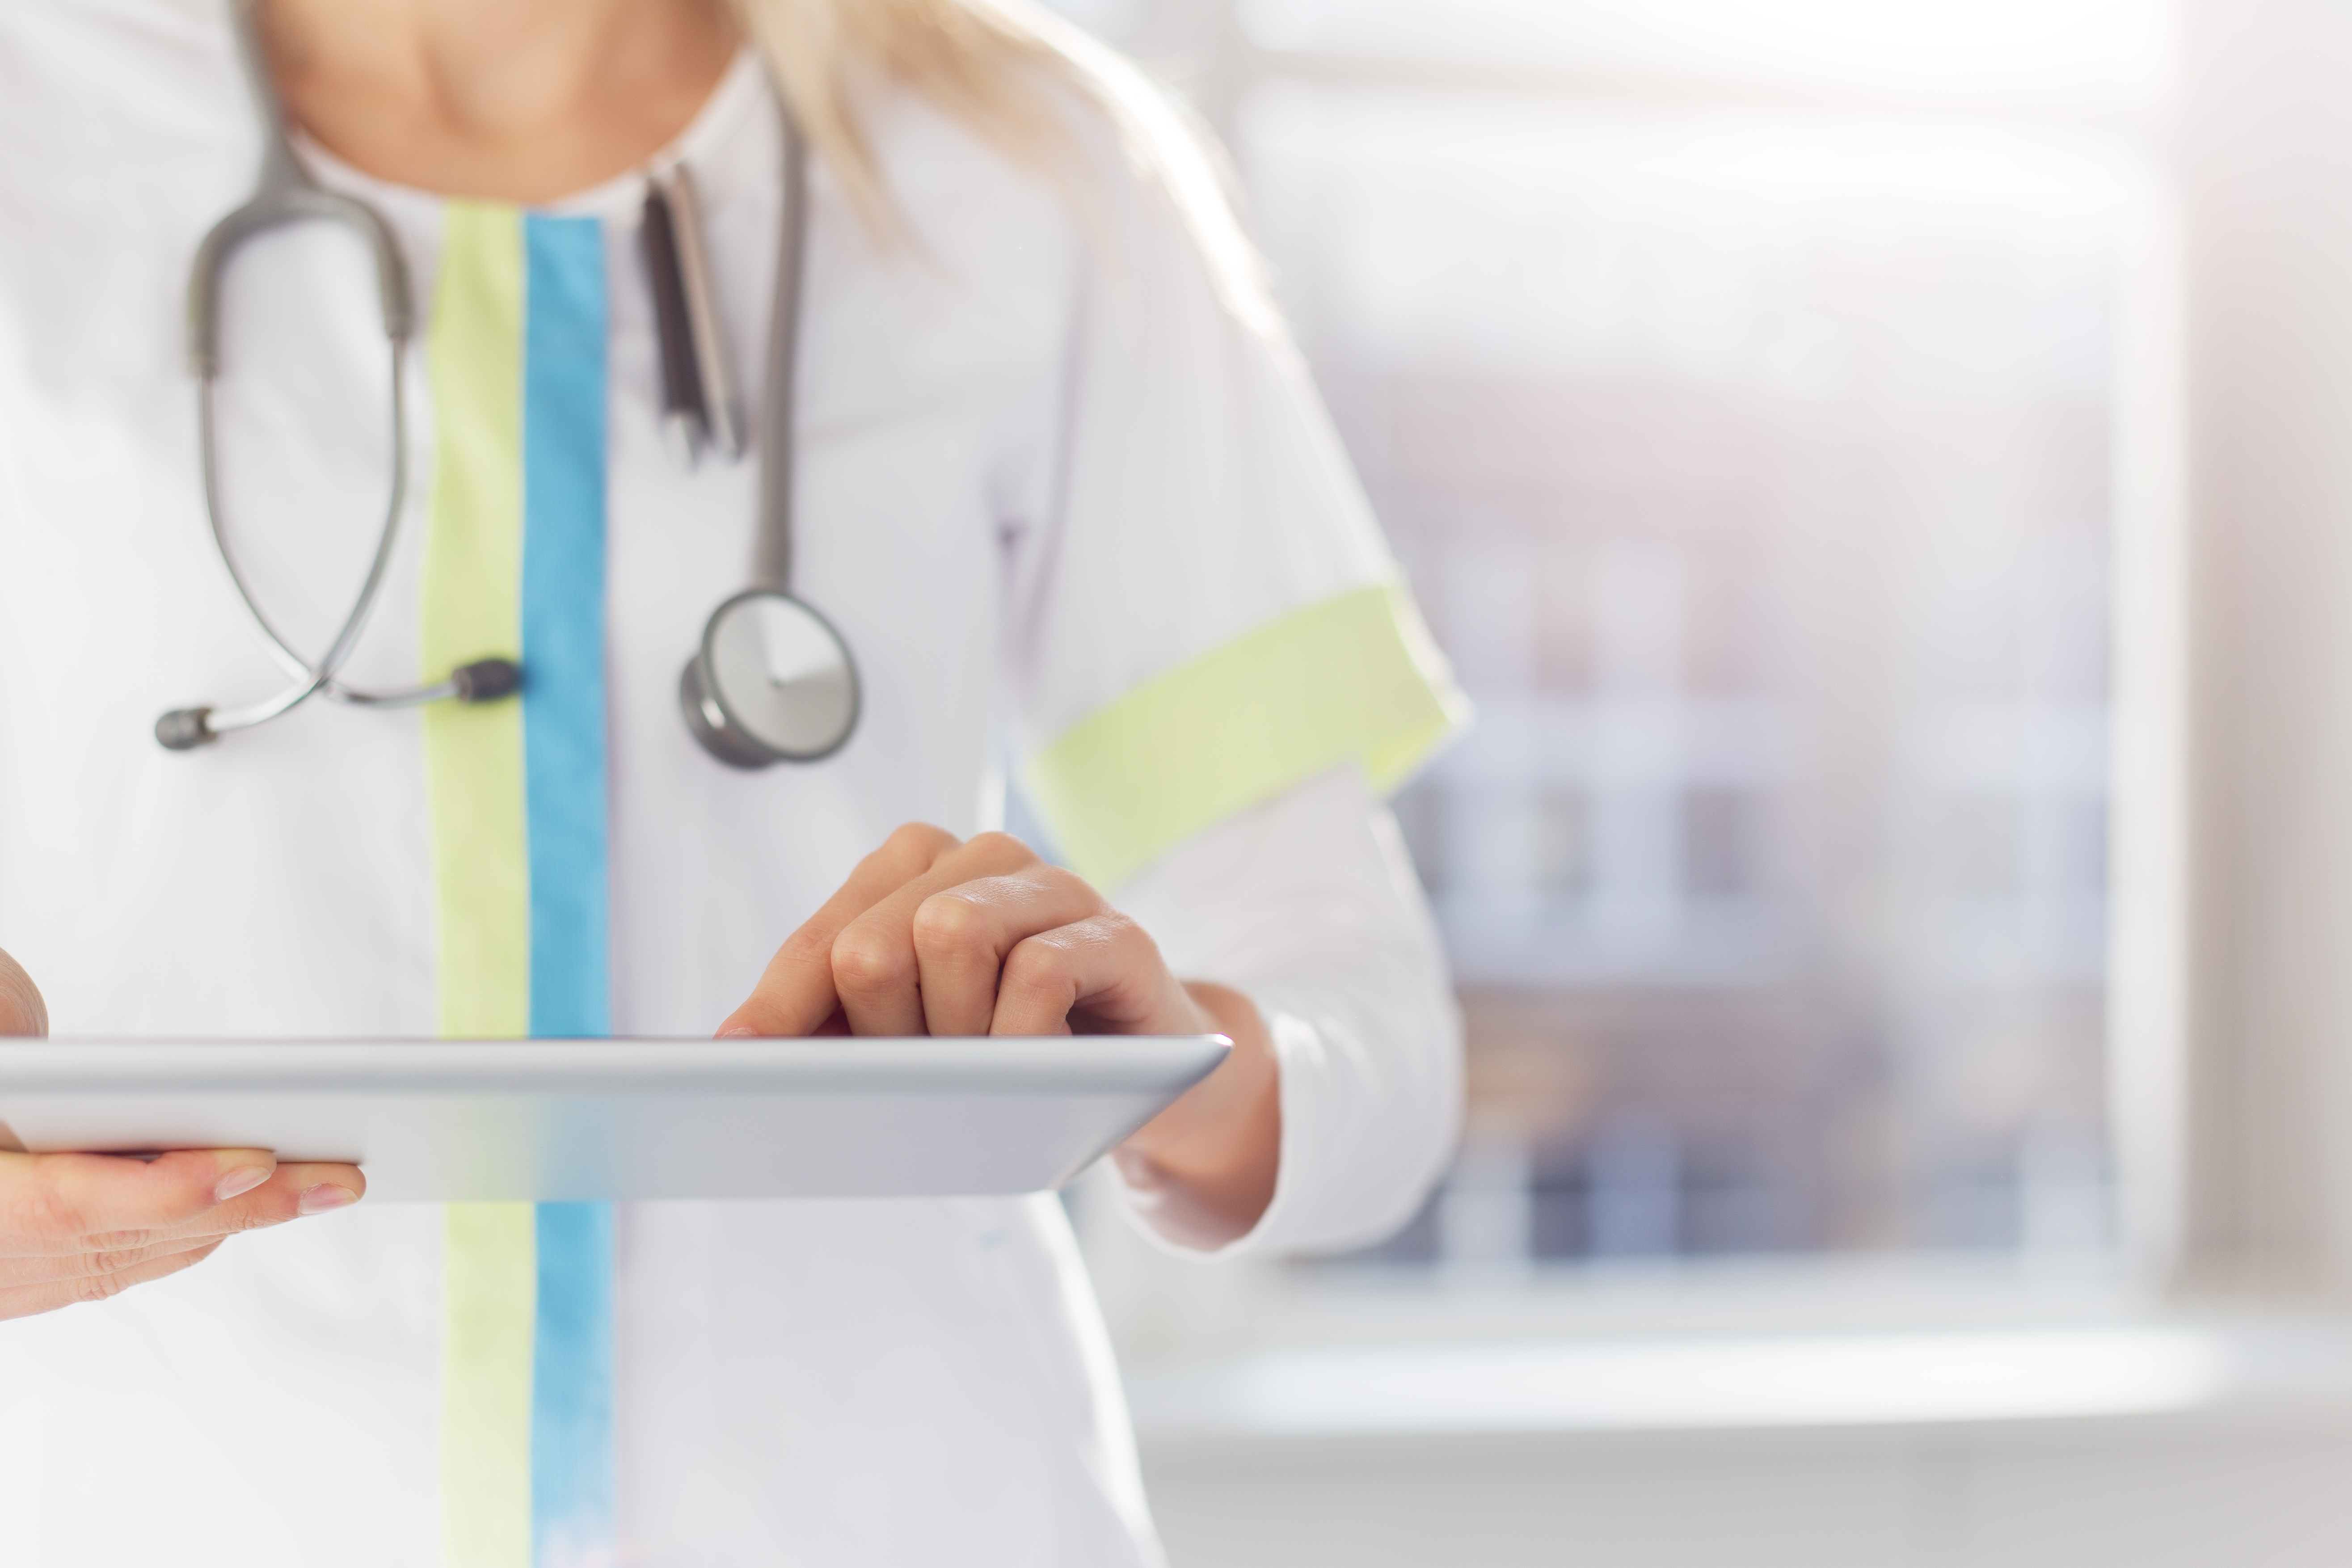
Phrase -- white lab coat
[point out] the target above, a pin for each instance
(1040, 462)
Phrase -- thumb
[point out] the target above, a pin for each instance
(22, 1011)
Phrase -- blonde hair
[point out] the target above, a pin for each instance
(1006, 68)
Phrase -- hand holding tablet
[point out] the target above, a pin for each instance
(81, 1228)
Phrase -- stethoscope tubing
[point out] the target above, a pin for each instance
(283, 196)
(312, 679)
(286, 193)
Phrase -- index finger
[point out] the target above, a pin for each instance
(795, 993)
(52, 1202)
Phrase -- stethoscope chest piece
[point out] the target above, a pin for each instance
(772, 682)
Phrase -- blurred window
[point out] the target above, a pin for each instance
(1739, 385)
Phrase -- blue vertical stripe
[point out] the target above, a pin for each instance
(573, 1484)
(563, 627)
(572, 1523)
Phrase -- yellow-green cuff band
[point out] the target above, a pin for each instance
(1356, 677)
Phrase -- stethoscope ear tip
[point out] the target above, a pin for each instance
(184, 729)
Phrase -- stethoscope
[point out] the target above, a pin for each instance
(772, 680)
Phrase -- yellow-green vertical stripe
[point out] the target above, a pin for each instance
(490, 1263)
(472, 609)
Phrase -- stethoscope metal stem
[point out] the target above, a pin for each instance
(772, 560)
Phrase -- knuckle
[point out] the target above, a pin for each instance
(1002, 849)
(1114, 932)
(950, 922)
(112, 1241)
(920, 838)
(865, 960)
(1063, 878)
(113, 1260)
(90, 1288)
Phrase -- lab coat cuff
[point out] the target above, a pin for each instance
(1299, 1218)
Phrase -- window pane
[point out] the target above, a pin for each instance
(1754, 469)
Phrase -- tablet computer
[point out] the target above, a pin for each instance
(449, 1120)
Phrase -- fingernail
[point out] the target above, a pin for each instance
(739, 1031)
(325, 1196)
(242, 1180)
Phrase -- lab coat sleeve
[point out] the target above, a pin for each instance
(1308, 905)
(1214, 675)
(1201, 612)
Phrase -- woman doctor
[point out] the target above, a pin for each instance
(1056, 483)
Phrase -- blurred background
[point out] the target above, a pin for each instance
(1739, 385)
(1782, 411)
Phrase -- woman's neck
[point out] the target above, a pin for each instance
(521, 100)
